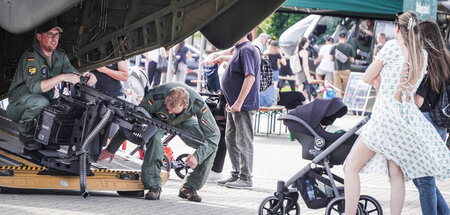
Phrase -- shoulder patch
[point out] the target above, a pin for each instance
(31, 71)
(199, 102)
(44, 70)
(30, 59)
(158, 96)
(162, 115)
(204, 110)
(150, 102)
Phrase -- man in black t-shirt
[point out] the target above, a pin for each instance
(109, 82)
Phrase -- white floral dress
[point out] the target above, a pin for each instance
(398, 131)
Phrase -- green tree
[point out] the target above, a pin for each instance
(277, 23)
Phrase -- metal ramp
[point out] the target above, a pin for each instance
(20, 171)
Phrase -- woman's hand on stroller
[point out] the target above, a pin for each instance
(191, 161)
(105, 154)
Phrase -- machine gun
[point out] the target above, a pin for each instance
(82, 122)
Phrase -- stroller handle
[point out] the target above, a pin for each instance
(301, 121)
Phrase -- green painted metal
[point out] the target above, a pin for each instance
(380, 9)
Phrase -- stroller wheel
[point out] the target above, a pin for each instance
(291, 207)
(370, 205)
(337, 206)
(268, 204)
(183, 169)
(166, 164)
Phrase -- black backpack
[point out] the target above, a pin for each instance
(441, 111)
(266, 74)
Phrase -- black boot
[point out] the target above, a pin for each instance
(153, 194)
(29, 143)
(189, 194)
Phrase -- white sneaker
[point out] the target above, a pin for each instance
(213, 177)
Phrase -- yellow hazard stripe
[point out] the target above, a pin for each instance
(22, 168)
(113, 171)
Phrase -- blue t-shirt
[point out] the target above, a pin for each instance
(245, 61)
(108, 85)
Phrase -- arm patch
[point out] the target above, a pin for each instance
(199, 102)
(158, 96)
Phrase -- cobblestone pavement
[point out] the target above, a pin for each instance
(275, 158)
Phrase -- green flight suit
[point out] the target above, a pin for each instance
(26, 99)
(202, 126)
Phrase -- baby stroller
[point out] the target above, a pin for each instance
(315, 182)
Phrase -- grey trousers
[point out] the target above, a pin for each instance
(239, 140)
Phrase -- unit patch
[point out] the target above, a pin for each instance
(199, 102)
(150, 102)
(162, 115)
(44, 70)
(31, 70)
(30, 59)
(204, 110)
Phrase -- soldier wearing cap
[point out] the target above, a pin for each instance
(178, 105)
(37, 81)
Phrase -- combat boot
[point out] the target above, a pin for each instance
(189, 194)
(153, 194)
(29, 143)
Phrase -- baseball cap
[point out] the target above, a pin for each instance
(342, 34)
(264, 35)
(48, 26)
(329, 38)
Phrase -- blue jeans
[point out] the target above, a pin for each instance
(267, 97)
(431, 200)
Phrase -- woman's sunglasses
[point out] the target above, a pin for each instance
(396, 17)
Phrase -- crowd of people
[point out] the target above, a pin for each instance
(410, 72)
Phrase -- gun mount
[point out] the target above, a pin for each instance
(82, 122)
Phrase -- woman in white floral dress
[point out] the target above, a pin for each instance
(398, 140)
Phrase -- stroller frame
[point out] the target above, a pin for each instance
(288, 190)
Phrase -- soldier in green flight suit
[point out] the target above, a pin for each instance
(178, 105)
(37, 81)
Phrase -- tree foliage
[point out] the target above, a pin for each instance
(277, 23)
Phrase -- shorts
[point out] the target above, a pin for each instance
(328, 74)
(300, 78)
(276, 73)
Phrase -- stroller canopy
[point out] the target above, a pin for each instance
(323, 111)
(317, 113)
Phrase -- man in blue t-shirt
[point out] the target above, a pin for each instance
(240, 85)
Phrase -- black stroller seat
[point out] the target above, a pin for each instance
(307, 125)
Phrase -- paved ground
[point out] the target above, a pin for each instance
(276, 158)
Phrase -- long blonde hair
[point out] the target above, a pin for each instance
(407, 23)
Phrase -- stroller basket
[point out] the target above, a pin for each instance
(306, 124)
(321, 196)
